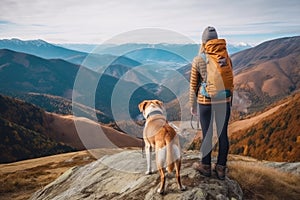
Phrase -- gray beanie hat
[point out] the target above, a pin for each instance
(209, 33)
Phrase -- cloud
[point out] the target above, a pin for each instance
(99, 20)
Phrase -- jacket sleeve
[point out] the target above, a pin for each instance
(195, 79)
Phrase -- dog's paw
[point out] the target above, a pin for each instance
(148, 172)
(160, 191)
(182, 188)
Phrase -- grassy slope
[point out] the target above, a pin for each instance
(260, 182)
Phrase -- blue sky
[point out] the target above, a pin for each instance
(99, 21)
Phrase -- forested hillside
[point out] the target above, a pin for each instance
(23, 132)
(276, 137)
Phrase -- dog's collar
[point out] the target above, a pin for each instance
(155, 112)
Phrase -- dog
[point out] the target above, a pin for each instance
(160, 135)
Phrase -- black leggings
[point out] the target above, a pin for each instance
(221, 113)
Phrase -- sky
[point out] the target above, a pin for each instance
(154, 21)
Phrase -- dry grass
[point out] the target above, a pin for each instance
(259, 182)
(21, 184)
(18, 181)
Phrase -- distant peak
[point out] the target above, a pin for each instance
(14, 39)
(37, 42)
(241, 44)
(244, 44)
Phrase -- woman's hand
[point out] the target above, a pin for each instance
(194, 111)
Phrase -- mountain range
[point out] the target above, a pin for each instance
(22, 73)
(263, 74)
(106, 53)
(39, 48)
(117, 60)
(187, 51)
(266, 51)
(267, 72)
(46, 50)
(261, 78)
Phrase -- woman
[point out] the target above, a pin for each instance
(210, 108)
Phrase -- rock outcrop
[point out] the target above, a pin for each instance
(121, 176)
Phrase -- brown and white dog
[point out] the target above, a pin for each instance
(160, 135)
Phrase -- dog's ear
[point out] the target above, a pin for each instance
(142, 105)
(159, 103)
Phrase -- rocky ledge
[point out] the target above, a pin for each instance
(121, 176)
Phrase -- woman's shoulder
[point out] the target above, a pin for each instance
(198, 60)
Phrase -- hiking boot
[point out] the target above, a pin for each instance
(220, 171)
(203, 169)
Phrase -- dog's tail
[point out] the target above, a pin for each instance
(173, 152)
(170, 158)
